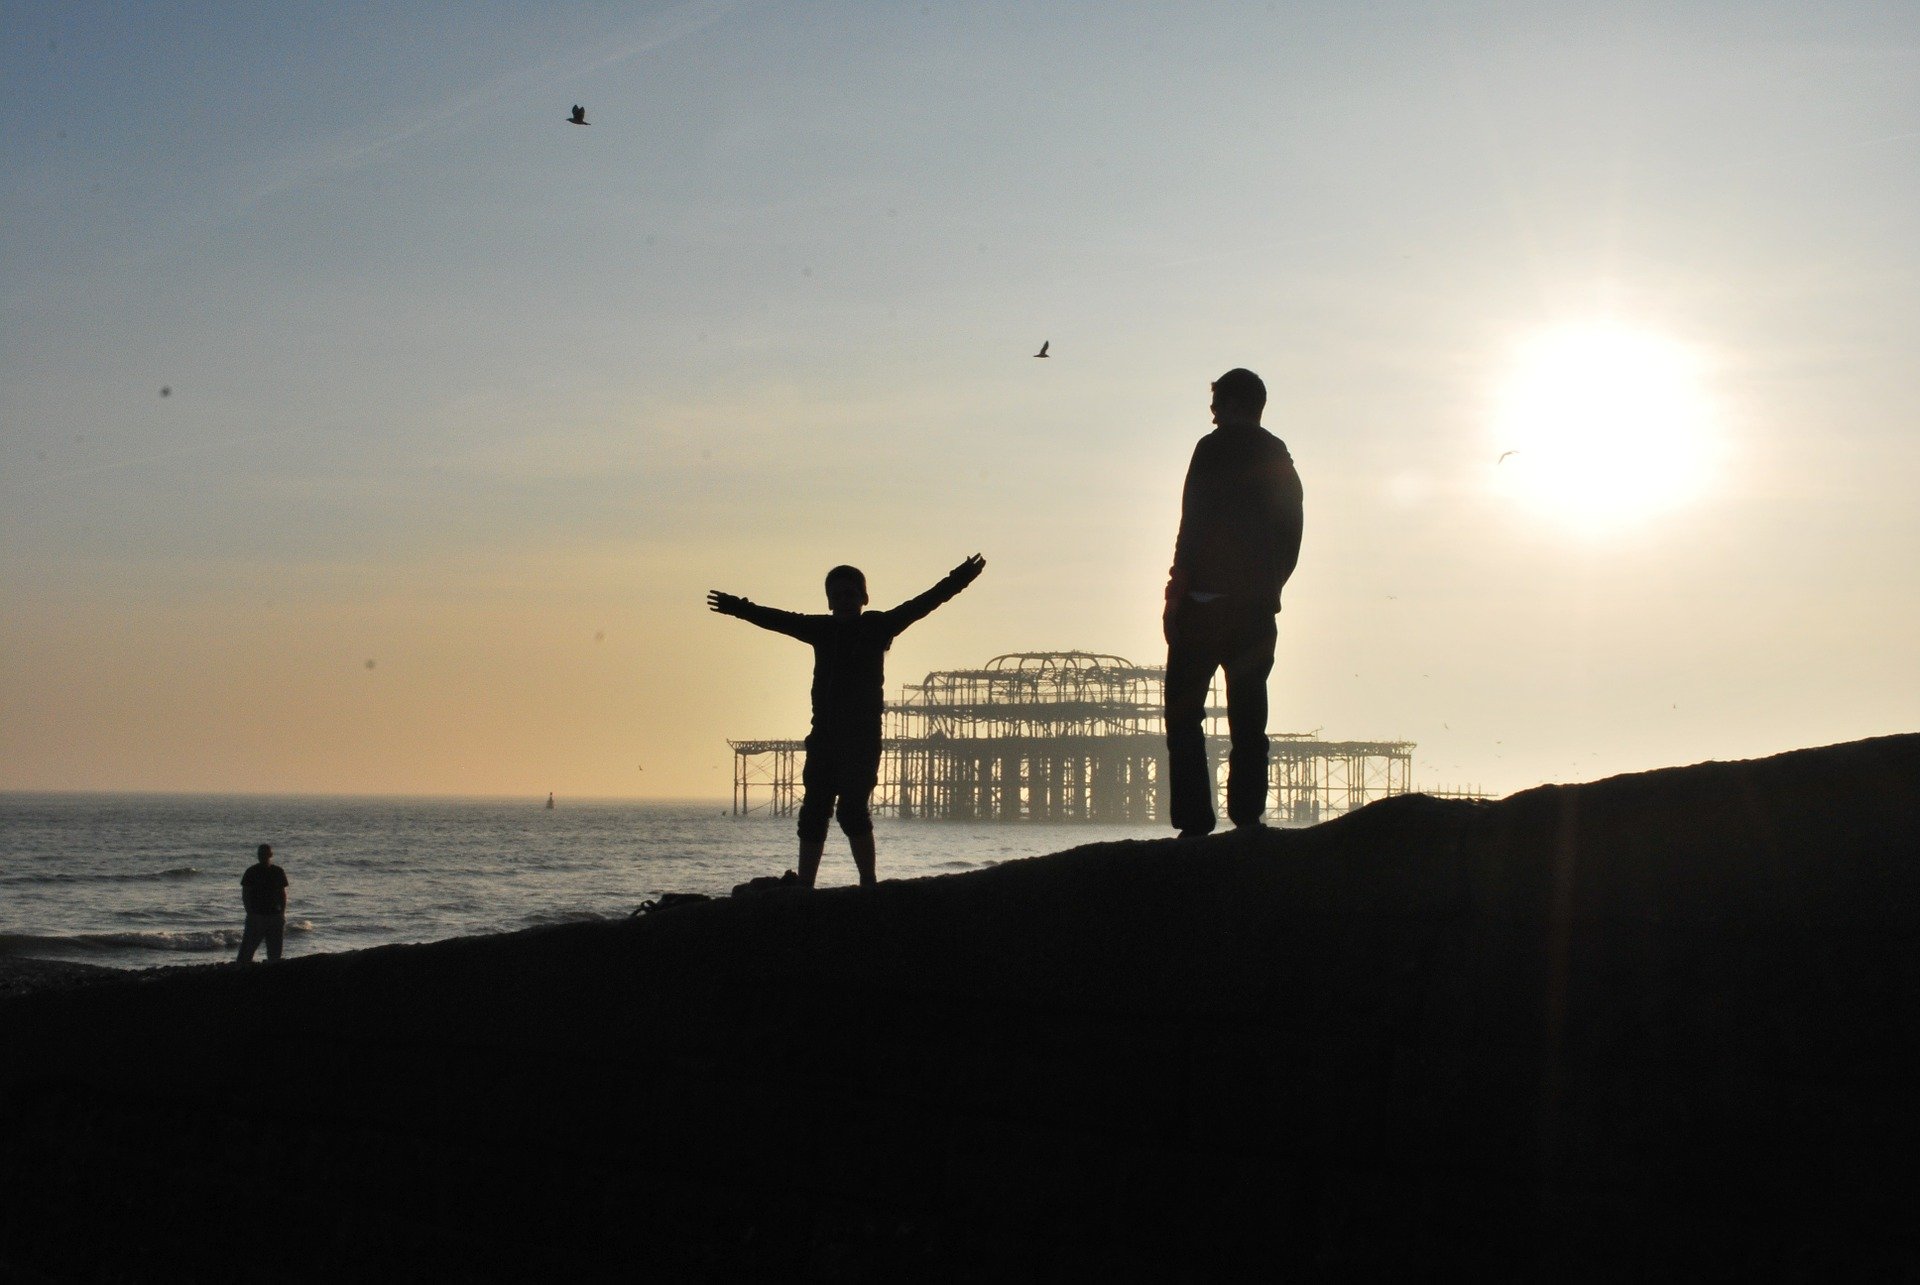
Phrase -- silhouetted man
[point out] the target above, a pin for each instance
(849, 657)
(1240, 518)
(263, 890)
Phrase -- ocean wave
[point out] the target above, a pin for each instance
(136, 876)
(161, 940)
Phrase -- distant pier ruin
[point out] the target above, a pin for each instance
(1064, 736)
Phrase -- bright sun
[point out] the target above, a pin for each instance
(1603, 425)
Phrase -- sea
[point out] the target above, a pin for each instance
(138, 881)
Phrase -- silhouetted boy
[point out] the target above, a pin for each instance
(1240, 520)
(263, 890)
(849, 659)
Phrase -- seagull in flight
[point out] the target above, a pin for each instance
(1043, 349)
(1503, 456)
(579, 116)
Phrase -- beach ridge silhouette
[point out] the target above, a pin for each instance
(1632, 1025)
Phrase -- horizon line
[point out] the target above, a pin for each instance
(11, 792)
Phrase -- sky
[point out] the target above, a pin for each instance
(1591, 329)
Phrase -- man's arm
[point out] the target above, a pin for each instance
(1289, 520)
(1177, 574)
(790, 623)
(918, 608)
(1190, 502)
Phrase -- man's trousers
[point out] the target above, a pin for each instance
(1237, 637)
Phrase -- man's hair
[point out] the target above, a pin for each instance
(1241, 387)
(845, 572)
(264, 850)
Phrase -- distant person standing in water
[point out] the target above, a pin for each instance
(1240, 520)
(263, 890)
(849, 658)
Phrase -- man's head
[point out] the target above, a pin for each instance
(846, 590)
(1238, 397)
(264, 852)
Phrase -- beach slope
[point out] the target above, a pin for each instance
(1658, 1022)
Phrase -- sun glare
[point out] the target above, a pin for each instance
(1604, 425)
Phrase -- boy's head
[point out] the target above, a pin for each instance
(846, 590)
(263, 853)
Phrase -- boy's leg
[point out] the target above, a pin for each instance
(810, 850)
(856, 811)
(276, 931)
(862, 845)
(816, 806)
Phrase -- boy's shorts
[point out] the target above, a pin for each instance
(839, 770)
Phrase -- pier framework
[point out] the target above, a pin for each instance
(1064, 736)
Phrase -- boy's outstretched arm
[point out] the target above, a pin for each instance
(790, 623)
(953, 582)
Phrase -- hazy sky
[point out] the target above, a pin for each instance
(490, 401)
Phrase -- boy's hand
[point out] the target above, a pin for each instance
(724, 603)
(969, 571)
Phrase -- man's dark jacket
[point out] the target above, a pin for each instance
(1240, 518)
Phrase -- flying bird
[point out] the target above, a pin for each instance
(1043, 349)
(1503, 456)
(166, 390)
(579, 116)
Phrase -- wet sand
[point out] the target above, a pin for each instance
(1659, 1024)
